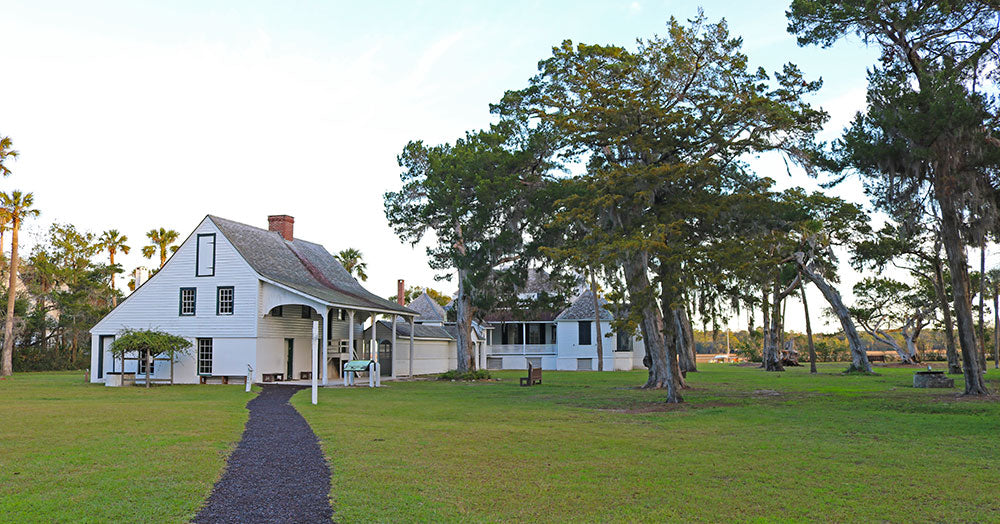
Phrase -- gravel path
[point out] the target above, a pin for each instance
(277, 472)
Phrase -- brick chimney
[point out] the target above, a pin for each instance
(283, 224)
(399, 292)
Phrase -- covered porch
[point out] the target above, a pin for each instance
(306, 341)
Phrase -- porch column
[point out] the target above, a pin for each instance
(314, 366)
(374, 348)
(524, 338)
(411, 347)
(324, 335)
(350, 334)
(393, 339)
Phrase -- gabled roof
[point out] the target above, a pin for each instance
(303, 266)
(583, 308)
(429, 310)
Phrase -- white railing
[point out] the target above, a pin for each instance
(521, 349)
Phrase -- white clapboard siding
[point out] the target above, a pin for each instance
(156, 303)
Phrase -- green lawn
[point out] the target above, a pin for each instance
(77, 452)
(582, 447)
(590, 447)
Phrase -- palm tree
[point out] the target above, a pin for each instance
(160, 239)
(6, 153)
(18, 207)
(4, 226)
(113, 242)
(350, 258)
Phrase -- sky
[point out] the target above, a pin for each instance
(138, 115)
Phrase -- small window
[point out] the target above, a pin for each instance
(584, 334)
(188, 297)
(342, 315)
(307, 312)
(205, 256)
(204, 356)
(276, 312)
(224, 300)
(584, 364)
(142, 364)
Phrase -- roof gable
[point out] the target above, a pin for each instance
(304, 266)
(583, 308)
(429, 310)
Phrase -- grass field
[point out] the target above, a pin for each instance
(76, 452)
(747, 445)
(582, 447)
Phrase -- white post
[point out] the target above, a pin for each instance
(249, 376)
(374, 377)
(393, 339)
(322, 341)
(374, 347)
(312, 351)
(350, 334)
(411, 347)
(524, 338)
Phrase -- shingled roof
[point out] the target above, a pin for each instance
(304, 266)
(419, 330)
(429, 310)
(583, 308)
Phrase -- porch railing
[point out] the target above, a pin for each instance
(521, 349)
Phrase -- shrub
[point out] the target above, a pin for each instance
(479, 374)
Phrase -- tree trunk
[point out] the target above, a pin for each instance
(954, 367)
(772, 348)
(958, 264)
(41, 305)
(463, 311)
(114, 295)
(687, 356)
(996, 325)
(809, 331)
(765, 327)
(982, 308)
(7, 367)
(911, 347)
(597, 322)
(859, 357)
(654, 332)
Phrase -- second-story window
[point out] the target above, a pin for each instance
(224, 300)
(188, 295)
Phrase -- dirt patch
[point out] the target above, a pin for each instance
(663, 407)
(766, 393)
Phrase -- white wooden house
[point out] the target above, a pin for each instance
(435, 338)
(256, 298)
(563, 340)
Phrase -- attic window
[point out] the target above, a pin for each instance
(205, 256)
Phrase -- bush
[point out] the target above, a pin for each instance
(479, 374)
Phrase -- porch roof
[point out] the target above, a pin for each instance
(419, 330)
(304, 266)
